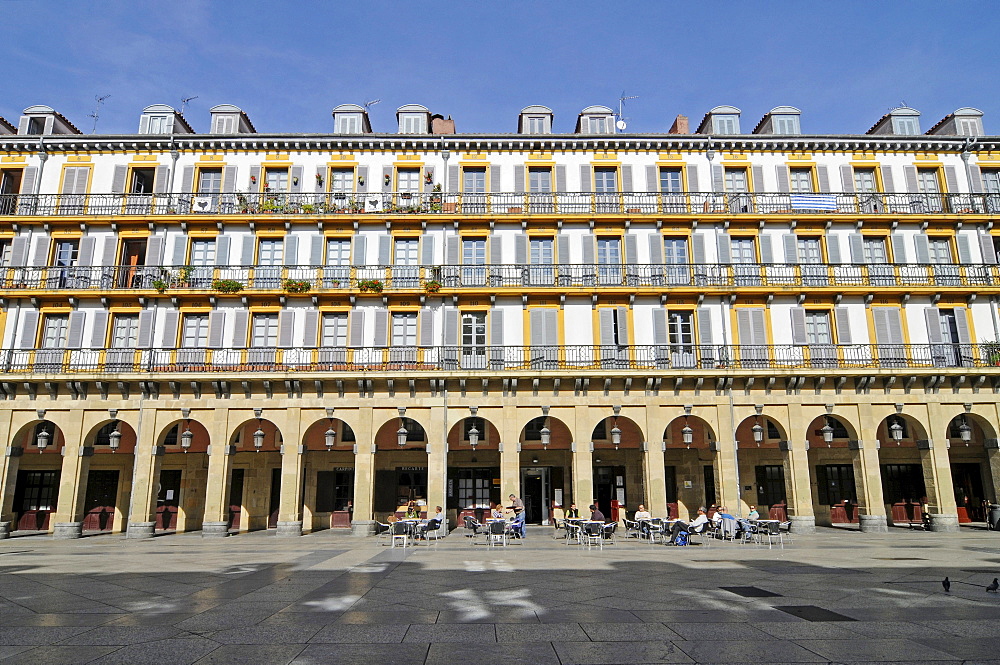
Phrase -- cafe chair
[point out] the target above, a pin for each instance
(609, 532)
(382, 533)
(593, 534)
(573, 532)
(771, 531)
(497, 534)
(632, 529)
(433, 531)
(400, 532)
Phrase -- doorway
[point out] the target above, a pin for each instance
(133, 258)
(275, 501)
(99, 504)
(609, 486)
(35, 498)
(968, 481)
(236, 499)
(168, 500)
(535, 483)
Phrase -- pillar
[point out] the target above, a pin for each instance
(798, 484)
(67, 519)
(510, 458)
(992, 458)
(436, 430)
(293, 456)
(583, 458)
(938, 484)
(145, 479)
(655, 473)
(868, 482)
(727, 480)
(216, 522)
(10, 456)
(363, 520)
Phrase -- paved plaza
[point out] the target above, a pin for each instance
(836, 596)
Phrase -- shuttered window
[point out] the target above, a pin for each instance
(679, 329)
(276, 180)
(195, 331)
(265, 330)
(338, 252)
(818, 327)
(408, 180)
(927, 181)
(801, 181)
(404, 329)
(334, 329)
(671, 181)
(54, 331)
(736, 181)
(991, 181)
(864, 181)
(125, 331)
(474, 251)
(341, 180)
(540, 179)
(605, 180)
(474, 180)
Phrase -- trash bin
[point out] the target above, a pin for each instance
(993, 517)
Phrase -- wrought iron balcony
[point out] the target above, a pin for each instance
(494, 359)
(500, 203)
(375, 278)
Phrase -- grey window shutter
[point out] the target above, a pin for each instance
(241, 325)
(495, 171)
(222, 250)
(356, 333)
(518, 177)
(296, 184)
(898, 248)
(74, 332)
(144, 339)
(536, 321)
(910, 175)
(964, 250)
(362, 178)
(922, 246)
(41, 251)
(216, 325)
(627, 178)
(427, 250)
(987, 248)
(623, 326)
(451, 256)
(82, 175)
(187, 180)
(28, 180)
(386, 178)
(426, 327)
(698, 248)
(249, 245)
(381, 328)
(782, 173)
(725, 245)
(384, 250)
(290, 252)
(857, 243)
(758, 178)
(888, 186)
(521, 249)
(561, 178)
(718, 179)
(562, 249)
(311, 327)
(154, 250)
(321, 173)
(766, 248)
(652, 179)
(692, 176)
(22, 126)
(29, 329)
(751, 326)
(932, 317)
(496, 327)
(842, 320)
(19, 251)
(286, 327)
(551, 327)
(85, 257)
(659, 326)
(453, 184)
(833, 249)
(358, 255)
(428, 177)
(144, 124)
(99, 329)
(255, 182)
(496, 250)
(962, 325)
(976, 179)
(951, 179)
(631, 249)
(823, 176)
(111, 252)
(180, 250)
(229, 179)
(118, 180)
(798, 325)
(588, 242)
(847, 178)
(316, 246)
(586, 177)
(655, 248)
(703, 317)
(606, 317)
(888, 325)
(169, 328)
(451, 327)
(790, 242)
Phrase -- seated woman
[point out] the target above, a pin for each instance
(496, 512)
(412, 511)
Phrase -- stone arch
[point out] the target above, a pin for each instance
(385, 435)
(97, 437)
(26, 437)
(561, 438)
(489, 435)
(314, 436)
(632, 436)
(702, 435)
(744, 432)
(913, 431)
(840, 424)
(982, 429)
(170, 436)
(242, 435)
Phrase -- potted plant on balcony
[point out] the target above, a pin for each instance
(370, 286)
(227, 285)
(990, 352)
(297, 285)
(432, 286)
(160, 285)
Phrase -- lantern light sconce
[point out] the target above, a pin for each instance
(330, 435)
(687, 434)
(473, 436)
(187, 437)
(896, 430)
(757, 429)
(42, 438)
(115, 437)
(965, 430)
(827, 431)
(401, 432)
(258, 435)
(616, 433)
(546, 433)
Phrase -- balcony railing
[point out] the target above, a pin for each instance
(501, 203)
(488, 359)
(318, 279)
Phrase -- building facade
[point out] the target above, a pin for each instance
(235, 330)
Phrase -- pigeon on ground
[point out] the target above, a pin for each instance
(993, 587)
(946, 583)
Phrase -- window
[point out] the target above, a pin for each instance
(609, 251)
(874, 250)
(474, 331)
(675, 251)
(348, 124)
(334, 332)
(927, 181)
(157, 124)
(404, 329)
(125, 331)
(412, 124)
(743, 250)
(818, 327)
(408, 180)
(905, 126)
(541, 251)
(4, 253)
(533, 430)
(670, 181)
(864, 180)
(736, 181)
(785, 124)
(202, 252)
(474, 251)
(939, 250)
(809, 251)
(194, 333)
(726, 124)
(265, 330)
(537, 125)
(474, 180)
(54, 331)
(269, 252)
(141, 181)
(209, 181)
(540, 180)
(991, 181)
(341, 180)
(406, 252)
(801, 181)
(65, 253)
(338, 252)
(605, 180)
(334, 490)
(276, 180)
(225, 124)
(474, 486)
(469, 423)
(969, 127)
(600, 432)
(679, 329)
(597, 125)
(36, 125)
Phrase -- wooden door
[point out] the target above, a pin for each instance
(275, 503)
(236, 499)
(168, 500)
(133, 257)
(99, 504)
(35, 498)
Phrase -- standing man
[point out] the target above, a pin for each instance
(516, 504)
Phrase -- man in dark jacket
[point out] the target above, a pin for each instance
(595, 514)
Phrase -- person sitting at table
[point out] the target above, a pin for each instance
(496, 512)
(412, 511)
(642, 514)
(595, 514)
(439, 517)
(573, 512)
(753, 514)
(517, 526)
(697, 525)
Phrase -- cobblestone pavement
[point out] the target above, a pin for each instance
(836, 596)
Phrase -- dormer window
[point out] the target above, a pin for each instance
(537, 125)
(535, 120)
(412, 123)
(905, 126)
(786, 124)
(224, 124)
(969, 127)
(597, 125)
(349, 123)
(36, 126)
(158, 124)
(726, 124)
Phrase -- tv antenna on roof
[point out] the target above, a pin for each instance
(373, 102)
(97, 111)
(621, 124)
(184, 102)
(901, 106)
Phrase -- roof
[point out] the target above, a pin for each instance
(41, 109)
(777, 110)
(964, 111)
(230, 108)
(536, 108)
(6, 125)
(349, 108)
(718, 110)
(902, 110)
(412, 108)
(597, 110)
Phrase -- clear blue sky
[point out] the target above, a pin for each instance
(287, 64)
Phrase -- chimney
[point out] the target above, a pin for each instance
(680, 126)
(441, 126)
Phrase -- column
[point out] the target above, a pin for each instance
(216, 522)
(363, 522)
(436, 430)
(656, 477)
(68, 516)
(868, 482)
(510, 458)
(798, 483)
(293, 456)
(583, 458)
(727, 481)
(938, 484)
(992, 457)
(145, 479)
(10, 456)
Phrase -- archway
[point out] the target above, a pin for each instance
(619, 478)
(689, 463)
(971, 473)
(400, 467)
(760, 441)
(546, 463)
(901, 439)
(473, 470)
(109, 476)
(831, 464)
(183, 480)
(329, 475)
(255, 476)
(36, 489)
